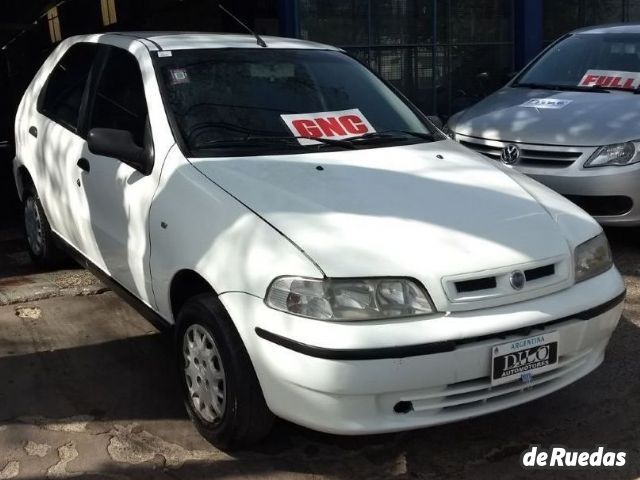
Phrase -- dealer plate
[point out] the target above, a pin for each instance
(520, 360)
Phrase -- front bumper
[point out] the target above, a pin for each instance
(610, 194)
(328, 389)
(604, 188)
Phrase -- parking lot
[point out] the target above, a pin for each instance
(88, 389)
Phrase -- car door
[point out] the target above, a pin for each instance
(56, 129)
(118, 196)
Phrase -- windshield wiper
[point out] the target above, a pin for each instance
(253, 142)
(562, 88)
(347, 143)
(392, 136)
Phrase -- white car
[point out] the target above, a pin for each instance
(325, 254)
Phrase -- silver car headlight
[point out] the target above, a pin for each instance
(592, 258)
(349, 299)
(619, 154)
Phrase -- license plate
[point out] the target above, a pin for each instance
(521, 360)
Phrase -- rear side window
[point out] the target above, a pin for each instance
(119, 101)
(62, 96)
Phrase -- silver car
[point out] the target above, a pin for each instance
(571, 120)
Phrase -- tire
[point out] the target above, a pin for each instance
(214, 365)
(41, 243)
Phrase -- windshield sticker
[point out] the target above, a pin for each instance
(336, 125)
(178, 76)
(164, 53)
(549, 103)
(610, 79)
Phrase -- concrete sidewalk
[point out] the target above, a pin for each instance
(40, 286)
(21, 281)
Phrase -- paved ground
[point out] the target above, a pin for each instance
(88, 389)
(21, 281)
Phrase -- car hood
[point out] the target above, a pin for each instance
(586, 119)
(425, 211)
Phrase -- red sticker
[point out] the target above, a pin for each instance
(337, 125)
(610, 79)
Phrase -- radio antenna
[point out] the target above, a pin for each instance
(259, 39)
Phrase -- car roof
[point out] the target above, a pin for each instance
(193, 40)
(610, 28)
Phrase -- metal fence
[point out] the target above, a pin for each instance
(443, 54)
(562, 17)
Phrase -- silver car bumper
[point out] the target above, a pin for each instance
(610, 194)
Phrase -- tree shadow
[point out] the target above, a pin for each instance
(126, 379)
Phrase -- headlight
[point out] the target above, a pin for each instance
(619, 154)
(592, 258)
(348, 299)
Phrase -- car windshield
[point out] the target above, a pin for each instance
(583, 61)
(248, 101)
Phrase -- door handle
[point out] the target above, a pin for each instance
(33, 131)
(84, 164)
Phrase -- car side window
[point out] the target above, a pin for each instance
(119, 100)
(62, 96)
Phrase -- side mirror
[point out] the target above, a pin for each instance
(436, 120)
(119, 144)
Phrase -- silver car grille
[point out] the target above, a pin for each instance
(530, 155)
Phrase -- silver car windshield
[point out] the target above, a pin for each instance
(588, 61)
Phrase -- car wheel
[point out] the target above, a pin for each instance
(40, 240)
(221, 391)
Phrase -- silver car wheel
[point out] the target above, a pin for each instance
(33, 226)
(204, 373)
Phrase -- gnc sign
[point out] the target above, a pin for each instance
(611, 79)
(339, 124)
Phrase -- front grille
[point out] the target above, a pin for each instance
(603, 205)
(490, 283)
(530, 155)
(540, 272)
(477, 284)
